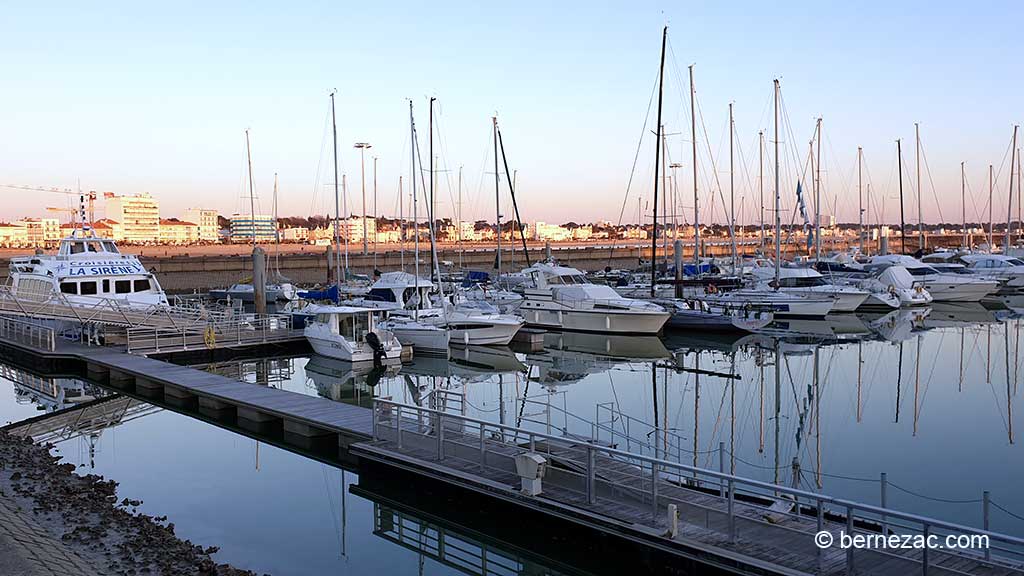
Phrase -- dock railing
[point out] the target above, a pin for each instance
(632, 485)
(26, 332)
(224, 333)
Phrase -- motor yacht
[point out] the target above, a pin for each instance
(351, 334)
(562, 297)
(943, 287)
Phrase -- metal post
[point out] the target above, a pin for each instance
(654, 490)
(985, 501)
(533, 443)
(821, 522)
(483, 454)
(440, 436)
(721, 467)
(375, 409)
(924, 551)
(732, 515)
(398, 425)
(883, 484)
(849, 532)
(590, 474)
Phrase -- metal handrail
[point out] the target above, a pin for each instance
(29, 333)
(868, 512)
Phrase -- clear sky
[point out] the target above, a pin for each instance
(137, 96)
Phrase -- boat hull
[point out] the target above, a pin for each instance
(604, 322)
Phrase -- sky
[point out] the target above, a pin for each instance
(156, 97)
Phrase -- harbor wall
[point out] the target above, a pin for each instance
(185, 272)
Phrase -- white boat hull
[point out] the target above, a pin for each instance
(959, 292)
(339, 350)
(429, 341)
(606, 322)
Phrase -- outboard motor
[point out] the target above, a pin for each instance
(378, 348)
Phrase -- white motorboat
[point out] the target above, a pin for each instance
(778, 302)
(468, 323)
(807, 281)
(1007, 269)
(943, 287)
(351, 334)
(425, 339)
(563, 298)
(86, 271)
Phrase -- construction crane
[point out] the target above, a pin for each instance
(83, 197)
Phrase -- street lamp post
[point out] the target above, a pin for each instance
(362, 146)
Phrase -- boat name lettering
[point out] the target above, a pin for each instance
(104, 268)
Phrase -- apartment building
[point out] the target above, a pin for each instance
(139, 216)
(244, 227)
(206, 220)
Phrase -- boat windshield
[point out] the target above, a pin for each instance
(569, 279)
(802, 282)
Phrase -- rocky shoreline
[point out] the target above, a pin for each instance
(86, 515)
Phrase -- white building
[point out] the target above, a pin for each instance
(244, 227)
(206, 220)
(139, 216)
(40, 231)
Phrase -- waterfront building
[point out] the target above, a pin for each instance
(352, 228)
(295, 234)
(12, 235)
(206, 220)
(139, 216)
(178, 232)
(41, 232)
(244, 227)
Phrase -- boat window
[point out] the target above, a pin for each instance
(106, 286)
(77, 247)
(142, 285)
(805, 282)
(95, 246)
(87, 288)
(1016, 262)
(382, 295)
(346, 326)
(122, 286)
(110, 247)
(69, 287)
(323, 318)
(360, 326)
(921, 271)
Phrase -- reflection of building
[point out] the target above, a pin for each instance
(138, 215)
(206, 220)
(243, 227)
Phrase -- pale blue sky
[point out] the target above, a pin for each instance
(137, 97)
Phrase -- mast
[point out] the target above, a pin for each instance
(458, 230)
(497, 194)
(817, 199)
(1009, 195)
(666, 190)
(963, 204)
(920, 217)
(337, 201)
(277, 233)
(903, 226)
(415, 210)
(990, 186)
(860, 201)
(401, 224)
(732, 194)
(778, 208)
(696, 206)
(760, 179)
(252, 199)
(515, 205)
(430, 207)
(374, 213)
(657, 154)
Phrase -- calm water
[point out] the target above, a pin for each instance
(928, 397)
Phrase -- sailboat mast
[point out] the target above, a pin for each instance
(252, 199)
(963, 203)
(277, 233)
(760, 179)
(401, 224)
(817, 198)
(991, 178)
(337, 200)
(903, 225)
(732, 194)
(458, 230)
(1009, 195)
(696, 206)
(778, 203)
(497, 195)
(431, 207)
(920, 217)
(415, 210)
(860, 202)
(657, 155)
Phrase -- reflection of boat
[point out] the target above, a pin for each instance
(830, 327)
(726, 342)
(698, 315)
(486, 359)
(50, 394)
(897, 325)
(607, 345)
(246, 293)
(959, 314)
(343, 381)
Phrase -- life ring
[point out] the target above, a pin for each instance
(210, 337)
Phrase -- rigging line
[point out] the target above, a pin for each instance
(319, 162)
(1005, 510)
(935, 195)
(714, 166)
(933, 498)
(636, 157)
